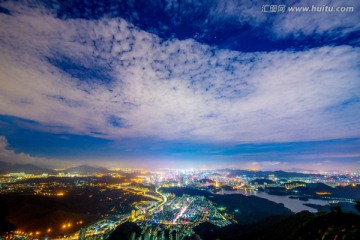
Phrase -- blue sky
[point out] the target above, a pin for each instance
(179, 84)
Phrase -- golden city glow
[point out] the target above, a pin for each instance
(323, 193)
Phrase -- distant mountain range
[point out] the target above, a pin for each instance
(265, 174)
(85, 169)
(33, 169)
(25, 168)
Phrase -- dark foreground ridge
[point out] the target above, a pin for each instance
(303, 225)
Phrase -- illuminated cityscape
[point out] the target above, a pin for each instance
(166, 204)
(179, 120)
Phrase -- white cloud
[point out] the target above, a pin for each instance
(10, 156)
(171, 89)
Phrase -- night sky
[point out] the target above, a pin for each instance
(179, 84)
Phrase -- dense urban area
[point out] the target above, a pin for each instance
(96, 203)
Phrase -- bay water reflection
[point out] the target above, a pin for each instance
(294, 205)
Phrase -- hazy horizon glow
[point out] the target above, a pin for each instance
(132, 84)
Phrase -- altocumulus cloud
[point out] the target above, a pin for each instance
(107, 78)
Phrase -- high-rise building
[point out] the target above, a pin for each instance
(133, 214)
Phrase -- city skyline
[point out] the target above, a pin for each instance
(179, 85)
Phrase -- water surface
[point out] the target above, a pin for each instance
(294, 205)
